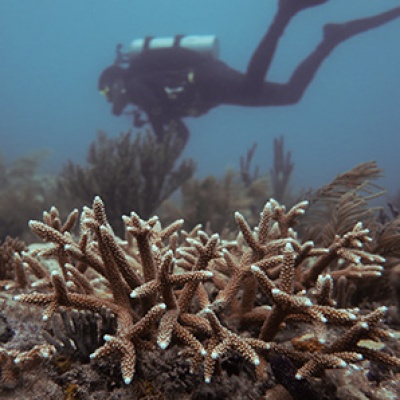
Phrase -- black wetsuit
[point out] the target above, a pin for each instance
(169, 84)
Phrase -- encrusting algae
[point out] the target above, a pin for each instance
(211, 297)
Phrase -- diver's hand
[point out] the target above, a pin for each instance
(138, 120)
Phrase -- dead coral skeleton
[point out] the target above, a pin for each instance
(167, 286)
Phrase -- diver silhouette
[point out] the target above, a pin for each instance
(168, 84)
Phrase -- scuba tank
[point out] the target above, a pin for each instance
(204, 44)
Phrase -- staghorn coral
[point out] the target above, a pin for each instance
(128, 172)
(213, 297)
(350, 197)
(9, 263)
(13, 363)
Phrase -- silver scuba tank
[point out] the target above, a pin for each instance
(204, 44)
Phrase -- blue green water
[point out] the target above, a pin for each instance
(52, 53)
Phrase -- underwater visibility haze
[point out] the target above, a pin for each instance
(54, 52)
(243, 285)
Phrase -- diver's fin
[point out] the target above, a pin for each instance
(340, 32)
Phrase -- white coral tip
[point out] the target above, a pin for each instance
(288, 247)
(214, 355)
(207, 379)
(299, 377)
(308, 303)
(254, 268)
(256, 361)
(107, 338)
(203, 352)
(162, 344)
(127, 380)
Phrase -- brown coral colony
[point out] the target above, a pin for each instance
(166, 286)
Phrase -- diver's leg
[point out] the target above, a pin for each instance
(297, 5)
(264, 53)
(334, 34)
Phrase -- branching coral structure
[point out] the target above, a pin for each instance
(129, 172)
(167, 287)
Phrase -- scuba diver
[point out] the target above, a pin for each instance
(168, 84)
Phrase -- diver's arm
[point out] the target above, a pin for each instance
(141, 95)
